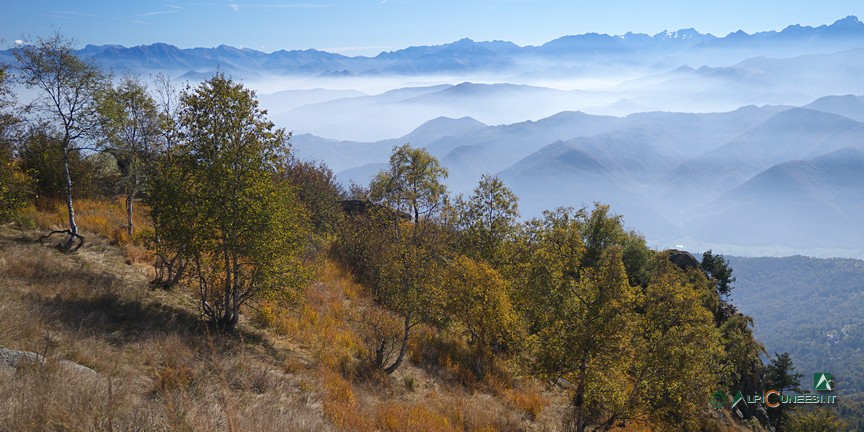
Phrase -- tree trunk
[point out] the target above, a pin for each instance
(129, 198)
(177, 273)
(482, 353)
(73, 228)
(379, 354)
(235, 293)
(225, 321)
(226, 299)
(392, 368)
(579, 398)
(479, 368)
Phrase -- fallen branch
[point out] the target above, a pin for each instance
(62, 246)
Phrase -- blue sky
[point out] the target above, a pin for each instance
(367, 27)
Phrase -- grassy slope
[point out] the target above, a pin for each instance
(159, 370)
(294, 369)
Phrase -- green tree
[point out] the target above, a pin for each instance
(67, 103)
(816, 420)
(319, 192)
(361, 241)
(718, 268)
(487, 220)
(550, 251)
(130, 126)
(243, 228)
(15, 184)
(171, 215)
(166, 179)
(780, 375)
(412, 184)
(603, 228)
(641, 349)
(591, 339)
(411, 265)
(583, 317)
(741, 349)
(93, 175)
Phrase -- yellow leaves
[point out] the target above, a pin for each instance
(679, 346)
(478, 299)
(647, 350)
(15, 184)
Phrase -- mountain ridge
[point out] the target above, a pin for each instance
(466, 55)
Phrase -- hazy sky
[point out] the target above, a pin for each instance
(367, 27)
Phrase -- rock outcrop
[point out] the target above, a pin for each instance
(15, 359)
(683, 259)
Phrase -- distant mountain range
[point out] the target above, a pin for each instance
(749, 144)
(682, 47)
(769, 179)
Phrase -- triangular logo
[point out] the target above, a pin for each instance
(738, 398)
(823, 381)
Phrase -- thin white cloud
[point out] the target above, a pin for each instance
(282, 6)
(234, 6)
(69, 15)
(77, 14)
(164, 12)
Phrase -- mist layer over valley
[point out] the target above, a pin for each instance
(758, 156)
(747, 144)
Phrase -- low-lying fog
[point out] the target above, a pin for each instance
(376, 108)
(760, 176)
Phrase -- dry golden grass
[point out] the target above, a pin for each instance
(305, 369)
(527, 400)
(156, 367)
(430, 392)
(98, 220)
(398, 417)
(104, 217)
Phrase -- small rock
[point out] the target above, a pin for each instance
(14, 358)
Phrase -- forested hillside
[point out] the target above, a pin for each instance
(810, 308)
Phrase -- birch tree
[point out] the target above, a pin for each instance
(66, 104)
(130, 126)
(240, 223)
(409, 271)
